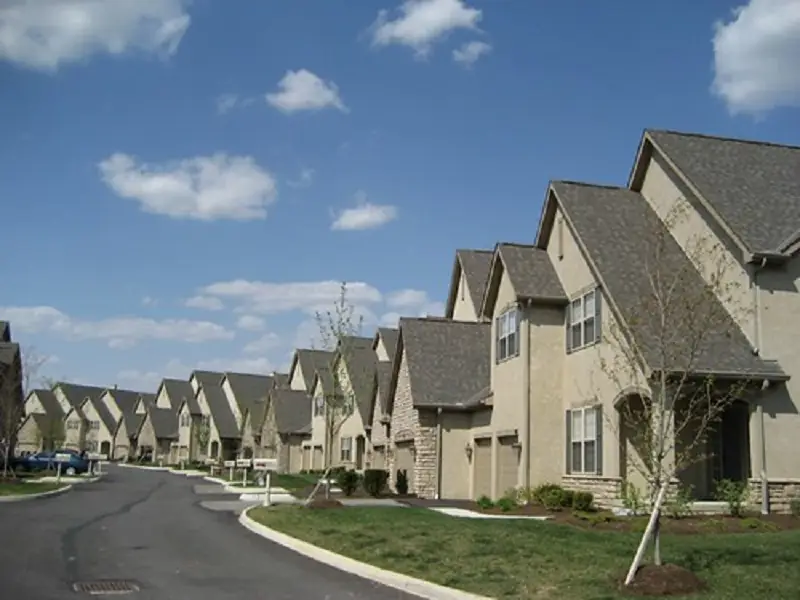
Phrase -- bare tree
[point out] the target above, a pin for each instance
(202, 434)
(20, 369)
(337, 329)
(676, 322)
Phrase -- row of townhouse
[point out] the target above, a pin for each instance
(512, 387)
(11, 385)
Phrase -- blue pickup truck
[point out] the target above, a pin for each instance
(44, 461)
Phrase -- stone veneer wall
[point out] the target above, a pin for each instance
(425, 460)
(282, 453)
(405, 421)
(606, 490)
(781, 493)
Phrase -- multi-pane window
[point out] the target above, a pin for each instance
(507, 334)
(584, 322)
(73, 424)
(319, 406)
(346, 453)
(584, 428)
(94, 424)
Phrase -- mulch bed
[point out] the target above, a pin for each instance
(666, 580)
(694, 524)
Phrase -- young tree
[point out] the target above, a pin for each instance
(337, 329)
(20, 369)
(202, 435)
(681, 314)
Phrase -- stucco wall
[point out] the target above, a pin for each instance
(456, 435)
(297, 382)
(463, 308)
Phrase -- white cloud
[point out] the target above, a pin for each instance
(267, 342)
(364, 215)
(250, 322)
(204, 302)
(227, 102)
(119, 332)
(205, 188)
(756, 57)
(305, 179)
(469, 52)
(421, 23)
(412, 303)
(149, 301)
(45, 34)
(303, 90)
(265, 297)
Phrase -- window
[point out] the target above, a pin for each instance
(94, 424)
(583, 321)
(507, 335)
(319, 406)
(346, 453)
(584, 444)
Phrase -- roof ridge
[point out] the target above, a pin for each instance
(478, 250)
(723, 138)
(518, 245)
(591, 185)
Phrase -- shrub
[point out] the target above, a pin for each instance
(794, 507)
(567, 498)
(632, 498)
(732, 493)
(402, 482)
(347, 481)
(525, 495)
(554, 499)
(583, 501)
(538, 493)
(506, 503)
(681, 505)
(375, 481)
(485, 502)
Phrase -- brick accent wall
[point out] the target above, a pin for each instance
(781, 493)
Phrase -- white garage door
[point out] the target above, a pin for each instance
(482, 467)
(507, 464)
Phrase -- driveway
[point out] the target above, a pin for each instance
(148, 527)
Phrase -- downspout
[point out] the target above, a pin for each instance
(759, 351)
(438, 495)
(526, 398)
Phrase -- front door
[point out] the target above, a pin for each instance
(360, 448)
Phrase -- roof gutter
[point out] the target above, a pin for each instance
(526, 396)
(438, 494)
(758, 350)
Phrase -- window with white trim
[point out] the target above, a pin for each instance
(584, 424)
(507, 335)
(584, 324)
(346, 450)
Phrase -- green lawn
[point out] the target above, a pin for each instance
(21, 489)
(516, 559)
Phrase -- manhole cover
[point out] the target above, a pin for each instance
(108, 587)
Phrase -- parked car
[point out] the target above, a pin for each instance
(44, 461)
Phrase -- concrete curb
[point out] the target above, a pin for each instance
(404, 583)
(25, 497)
(216, 480)
(126, 466)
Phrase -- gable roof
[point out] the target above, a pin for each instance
(530, 272)
(9, 352)
(612, 225)
(310, 362)
(280, 379)
(389, 337)
(249, 389)
(751, 187)
(448, 361)
(164, 421)
(133, 423)
(45, 423)
(221, 412)
(207, 377)
(384, 381)
(292, 410)
(179, 390)
(360, 362)
(124, 399)
(147, 399)
(102, 412)
(475, 265)
(49, 403)
(76, 393)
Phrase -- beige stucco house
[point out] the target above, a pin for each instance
(309, 372)
(287, 424)
(384, 345)
(99, 426)
(43, 426)
(126, 443)
(225, 433)
(158, 434)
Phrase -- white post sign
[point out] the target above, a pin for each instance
(231, 465)
(61, 458)
(244, 464)
(267, 465)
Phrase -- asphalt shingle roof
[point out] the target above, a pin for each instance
(475, 266)
(180, 390)
(49, 403)
(617, 228)
(530, 272)
(753, 186)
(280, 379)
(448, 361)
(384, 383)
(9, 351)
(221, 412)
(389, 337)
(360, 362)
(292, 409)
(102, 411)
(311, 361)
(125, 399)
(248, 389)
(5, 331)
(165, 422)
(76, 393)
(208, 377)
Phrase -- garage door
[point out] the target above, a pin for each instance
(507, 464)
(306, 458)
(378, 461)
(482, 468)
(405, 460)
(317, 458)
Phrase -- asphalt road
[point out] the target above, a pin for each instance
(148, 527)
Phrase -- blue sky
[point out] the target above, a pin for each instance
(184, 183)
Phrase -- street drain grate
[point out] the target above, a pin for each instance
(108, 587)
